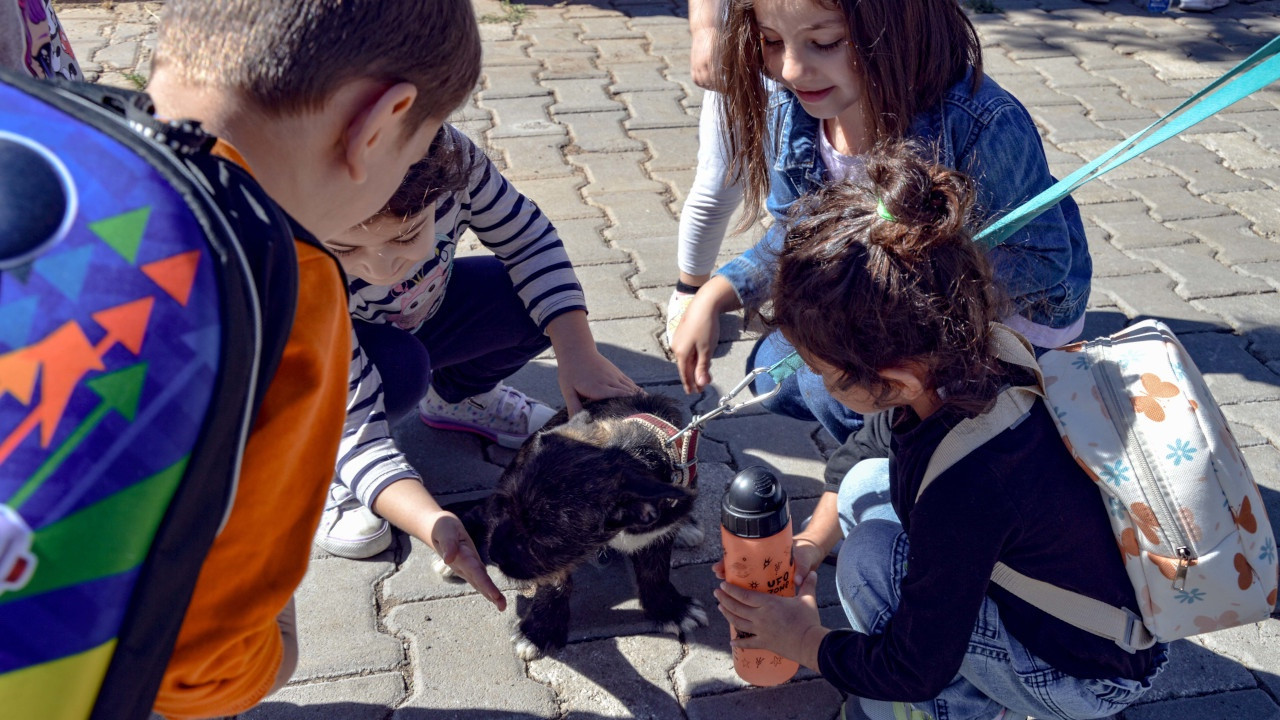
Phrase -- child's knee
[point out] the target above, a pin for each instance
(864, 494)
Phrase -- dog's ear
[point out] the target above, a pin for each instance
(640, 499)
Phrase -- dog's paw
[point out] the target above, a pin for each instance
(442, 569)
(526, 649)
(689, 535)
(694, 617)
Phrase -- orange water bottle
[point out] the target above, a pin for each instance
(755, 528)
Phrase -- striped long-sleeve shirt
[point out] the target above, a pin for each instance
(512, 227)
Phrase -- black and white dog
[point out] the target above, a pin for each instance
(605, 478)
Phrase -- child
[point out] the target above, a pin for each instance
(853, 73)
(446, 332)
(327, 104)
(911, 333)
(704, 218)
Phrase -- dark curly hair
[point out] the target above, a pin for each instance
(862, 292)
(446, 169)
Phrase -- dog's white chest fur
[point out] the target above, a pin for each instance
(631, 542)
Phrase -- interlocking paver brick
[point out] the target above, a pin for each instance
(1069, 124)
(584, 239)
(415, 580)
(669, 149)
(507, 54)
(616, 677)
(1233, 375)
(796, 701)
(1152, 295)
(636, 216)
(443, 684)
(1263, 417)
(1259, 206)
(521, 117)
(1107, 103)
(1130, 226)
(656, 110)
(582, 96)
(617, 52)
(1167, 198)
(609, 173)
(1268, 272)
(560, 198)
(1257, 317)
(530, 158)
(1193, 671)
(1198, 274)
(612, 298)
(352, 698)
(607, 27)
(554, 40)
(512, 82)
(338, 620)
(1233, 237)
(639, 77)
(677, 183)
(1107, 260)
(599, 132)
(1239, 150)
(1204, 172)
(632, 345)
(570, 67)
(1065, 72)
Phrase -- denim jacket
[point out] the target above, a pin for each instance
(1045, 267)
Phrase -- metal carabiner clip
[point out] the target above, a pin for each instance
(726, 406)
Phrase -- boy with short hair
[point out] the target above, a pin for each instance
(327, 103)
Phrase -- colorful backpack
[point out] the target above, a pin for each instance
(147, 290)
(1188, 518)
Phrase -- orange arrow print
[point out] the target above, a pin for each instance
(62, 359)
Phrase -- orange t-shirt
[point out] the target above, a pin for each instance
(229, 648)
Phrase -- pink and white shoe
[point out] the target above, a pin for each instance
(504, 415)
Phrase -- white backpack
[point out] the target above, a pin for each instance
(1188, 518)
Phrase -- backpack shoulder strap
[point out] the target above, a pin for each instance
(1119, 625)
(1013, 404)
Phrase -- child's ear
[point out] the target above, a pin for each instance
(906, 380)
(379, 122)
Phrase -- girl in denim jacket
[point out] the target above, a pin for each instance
(881, 289)
(852, 74)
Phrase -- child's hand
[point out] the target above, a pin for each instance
(807, 557)
(452, 543)
(695, 339)
(588, 375)
(788, 626)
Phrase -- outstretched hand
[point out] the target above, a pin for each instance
(451, 542)
(588, 375)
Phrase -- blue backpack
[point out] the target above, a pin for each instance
(147, 291)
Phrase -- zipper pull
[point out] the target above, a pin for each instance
(1184, 562)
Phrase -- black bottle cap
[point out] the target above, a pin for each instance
(755, 505)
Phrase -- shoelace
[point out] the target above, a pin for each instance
(513, 406)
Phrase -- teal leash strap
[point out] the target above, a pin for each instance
(1252, 74)
(786, 367)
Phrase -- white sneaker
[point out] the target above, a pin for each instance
(349, 529)
(676, 307)
(1202, 5)
(504, 415)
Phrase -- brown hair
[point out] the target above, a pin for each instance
(908, 53)
(288, 56)
(863, 293)
(446, 169)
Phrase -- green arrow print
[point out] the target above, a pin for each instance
(120, 391)
(108, 537)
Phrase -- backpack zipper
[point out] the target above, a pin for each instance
(1110, 384)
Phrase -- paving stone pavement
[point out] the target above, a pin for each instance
(590, 108)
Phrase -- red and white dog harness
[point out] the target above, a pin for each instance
(683, 452)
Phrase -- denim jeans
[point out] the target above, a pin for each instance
(997, 670)
(480, 334)
(803, 396)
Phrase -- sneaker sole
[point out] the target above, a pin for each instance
(356, 549)
(512, 442)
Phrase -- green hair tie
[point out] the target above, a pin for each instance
(883, 211)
